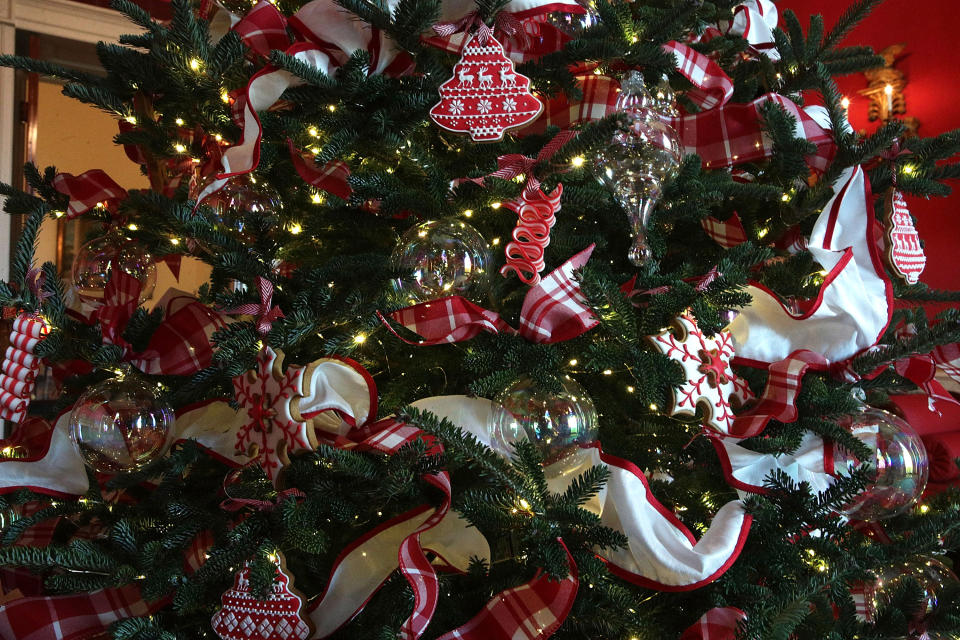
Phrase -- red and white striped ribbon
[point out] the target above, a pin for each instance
(553, 311)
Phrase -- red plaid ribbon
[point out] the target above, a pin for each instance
(87, 189)
(331, 177)
(73, 617)
(264, 312)
(553, 311)
(726, 233)
(181, 345)
(120, 300)
(719, 623)
(779, 395)
(712, 86)
(20, 366)
(724, 135)
(263, 29)
(516, 164)
(529, 612)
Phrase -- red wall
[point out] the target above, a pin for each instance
(931, 64)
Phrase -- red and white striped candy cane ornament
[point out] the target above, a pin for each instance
(537, 215)
(19, 368)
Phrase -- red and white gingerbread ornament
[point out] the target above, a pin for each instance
(711, 385)
(904, 252)
(269, 400)
(486, 96)
(245, 617)
(19, 368)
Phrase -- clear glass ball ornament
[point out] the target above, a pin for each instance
(120, 425)
(446, 257)
(899, 467)
(94, 263)
(241, 198)
(638, 160)
(557, 423)
(930, 574)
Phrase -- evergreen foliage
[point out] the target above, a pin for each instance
(794, 575)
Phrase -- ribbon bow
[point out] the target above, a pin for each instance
(516, 164)
(181, 345)
(504, 22)
(553, 311)
(265, 314)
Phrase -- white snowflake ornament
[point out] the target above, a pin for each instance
(270, 399)
(711, 386)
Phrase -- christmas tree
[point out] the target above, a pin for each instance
(618, 371)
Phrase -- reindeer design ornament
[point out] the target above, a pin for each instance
(485, 96)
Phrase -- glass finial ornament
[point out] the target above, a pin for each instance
(446, 257)
(557, 423)
(639, 160)
(121, 424)
(899, 467)
(95, 260)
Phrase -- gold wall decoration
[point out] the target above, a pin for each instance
(885, 86)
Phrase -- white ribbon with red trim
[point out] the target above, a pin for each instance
(813, 462)
(662, 553)
(755, 20)
(854, 304)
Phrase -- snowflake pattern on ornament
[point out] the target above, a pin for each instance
(486, 96)
(710, 384)
(273, 428)
(244, 617)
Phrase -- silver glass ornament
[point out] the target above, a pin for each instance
(557, 423)
(447, 257)
(639, 160)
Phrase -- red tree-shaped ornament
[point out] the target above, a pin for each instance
(485, 96)
(244, 617)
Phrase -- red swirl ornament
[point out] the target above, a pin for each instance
(537, 215)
